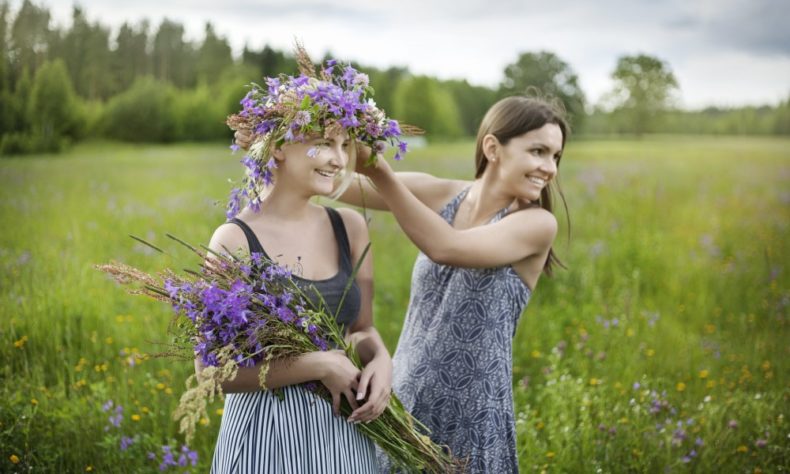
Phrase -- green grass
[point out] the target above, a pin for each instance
(677, 280)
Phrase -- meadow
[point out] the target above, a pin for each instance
(662, 347)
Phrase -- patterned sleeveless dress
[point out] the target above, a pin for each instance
(453, 363)
(260, 433)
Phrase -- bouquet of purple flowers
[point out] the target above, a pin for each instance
(239, 311)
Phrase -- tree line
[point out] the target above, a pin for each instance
(146, 83)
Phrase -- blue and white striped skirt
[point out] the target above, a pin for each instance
(260, 433)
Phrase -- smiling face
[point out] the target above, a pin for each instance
(313, 167)
(528, 162)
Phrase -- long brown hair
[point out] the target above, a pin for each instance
(515, 116)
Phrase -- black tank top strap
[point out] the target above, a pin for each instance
(252, 241)
(342, 238)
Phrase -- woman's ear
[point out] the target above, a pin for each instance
(490, 148)
(278, 154)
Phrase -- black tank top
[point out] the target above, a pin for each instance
(330, 289)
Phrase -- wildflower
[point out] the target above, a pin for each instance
(21, 342)
(187, 455)
(636, 386)
(732, 424)
(761, 443)
(302, 118)
(703, 374)
(220, 411)
(594, 381)
(742, 449)
(89, 468)
(536, 354)
(135, 417)
(14, 458)
(33, 401)
(116, 419)
(680, 387)
(107, 405)
(126, 442)
(550, 454)
(650, 352)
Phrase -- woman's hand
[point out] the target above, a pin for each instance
(243, 138)
(375, 385)
(370, 170)
(340, 377)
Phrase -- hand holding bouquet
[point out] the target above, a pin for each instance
(242, 311)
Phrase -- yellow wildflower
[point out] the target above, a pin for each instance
(536, 354)
(550, 454)
(703, 374)
(650, 352)
(539, 425)
(203, 421)
(680, 387)
(14, 458)
(594, 381)
(21, 342)
(220, 411)
(33, 401)
(742, 449)
(135, 417)
(160, 386)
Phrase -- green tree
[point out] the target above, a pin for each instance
(268, 61)
(473, 103)
(642, 92)
(782, 118)
(173, 58)
(550, 75)
(30, 38)
(385, 82)
(422, 102)
(143, 113)
(130, 58)
(53, 110)
(6, 93)
(214, 56)
(85, 48)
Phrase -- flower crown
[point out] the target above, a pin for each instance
(293, 109)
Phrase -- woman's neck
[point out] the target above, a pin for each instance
(485, 198)
(286, 204)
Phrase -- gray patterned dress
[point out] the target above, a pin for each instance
(453, 364)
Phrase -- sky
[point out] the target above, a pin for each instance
(722, 52)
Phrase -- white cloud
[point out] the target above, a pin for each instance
(703, 41)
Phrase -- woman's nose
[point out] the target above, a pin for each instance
(339, 157)
(549, 166)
